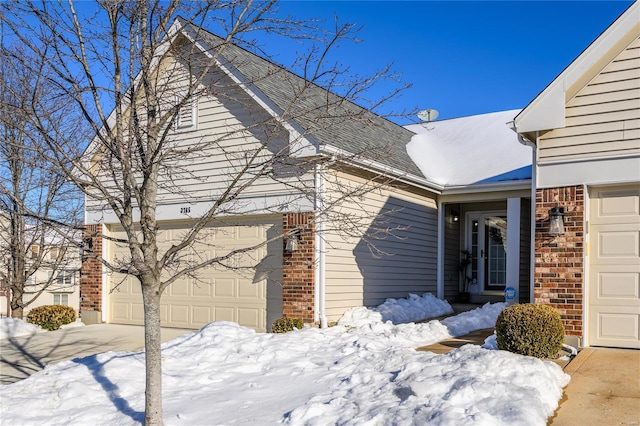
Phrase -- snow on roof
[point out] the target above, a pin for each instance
(470, 150)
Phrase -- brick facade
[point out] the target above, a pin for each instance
(91, 271)
(559, 260)
(298, 268)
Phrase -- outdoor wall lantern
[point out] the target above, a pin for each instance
(86, 245)
(292, 242)
(455, 216)
(556, 221)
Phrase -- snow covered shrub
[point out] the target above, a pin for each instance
(51, 317)
(528, 329)
(284, 324)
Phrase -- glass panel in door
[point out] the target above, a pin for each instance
(495, 248)
(487, 242)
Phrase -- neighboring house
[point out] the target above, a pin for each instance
(584, 128)
(330, 271)
(59, 275)
(56, 281)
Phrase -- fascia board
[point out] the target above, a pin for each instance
(524, 184)
(376, 167)
(546, 111)
(302, 146)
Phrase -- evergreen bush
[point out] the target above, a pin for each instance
(51, 317)
(530, 329)
(284, 324)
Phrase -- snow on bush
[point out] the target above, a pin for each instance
(14, 327)
(398, 311)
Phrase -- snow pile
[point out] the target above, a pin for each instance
(398, 311)
(477, 319)
(77, 323)
(14, 327)
(228, 374)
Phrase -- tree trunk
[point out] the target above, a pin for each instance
(152, 342)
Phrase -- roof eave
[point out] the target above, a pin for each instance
(376, 167)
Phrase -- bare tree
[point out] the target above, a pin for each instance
(38, 205)
(135, 70)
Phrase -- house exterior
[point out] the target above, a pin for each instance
(584, 128)
(332, 267)
(53, 264)
(61, 284)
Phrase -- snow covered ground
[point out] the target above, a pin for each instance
(349, 375)
(13, 327)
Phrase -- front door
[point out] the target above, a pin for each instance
(487, 242)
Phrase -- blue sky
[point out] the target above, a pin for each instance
(465, 58)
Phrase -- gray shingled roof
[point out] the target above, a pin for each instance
(328, 118)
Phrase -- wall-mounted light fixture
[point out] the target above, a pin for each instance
(292, 242)
(455, 216)
(86, 246)
(556, 221)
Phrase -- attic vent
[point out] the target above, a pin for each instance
(188, 114)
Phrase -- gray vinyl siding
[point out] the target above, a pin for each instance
(603, 119)
(355, 276)
(452, 248)
(525, 250)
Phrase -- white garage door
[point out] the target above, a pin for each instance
(240, 295)
(614, 262)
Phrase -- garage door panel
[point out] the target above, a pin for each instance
(202, 288)
(249, 290)
(120, 311)
(617, 327)
(614, 265)
(225, 288)
(617, 245)
(618, 287)
(202, 314)
(617, 206)
(219, 294)
(225, 313)
(137, 312)
(251, 316)
(179, 314)
(179, 288)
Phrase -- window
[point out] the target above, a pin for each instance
(34, 252)
(60, 299)
(188, 114)
(56, 254)
(64, 278)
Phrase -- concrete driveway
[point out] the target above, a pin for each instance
(20, 357)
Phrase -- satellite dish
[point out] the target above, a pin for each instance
(428, 115)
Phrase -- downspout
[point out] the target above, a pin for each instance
(320, 244)
(534, 180)
(440, 253)
(105, 291)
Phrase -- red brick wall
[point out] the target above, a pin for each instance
(91, 271)
(559, 261)
(298, 272)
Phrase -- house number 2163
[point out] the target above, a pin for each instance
(185, 210)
